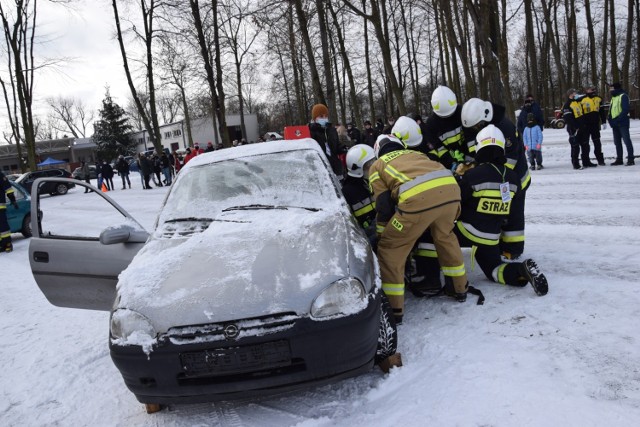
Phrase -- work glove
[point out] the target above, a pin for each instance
(464, 167)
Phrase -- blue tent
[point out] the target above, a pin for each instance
(51, 162)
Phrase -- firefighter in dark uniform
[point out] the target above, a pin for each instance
(477, 114)
(355, 188)
(594, 117)
(576, 127)
(6, 192)
(443, 134)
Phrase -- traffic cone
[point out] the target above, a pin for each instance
(104, 188)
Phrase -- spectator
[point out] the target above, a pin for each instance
(532, 138)
(530, 106)
(107, 175)
(165, 164)
(145, 170)
(123, 170)
(190, 155)
(157, 169)
(327, 137)
(370, 134)
(379, 125)
(354, 134)
(387, 130)
(619, 121)
(86, 175)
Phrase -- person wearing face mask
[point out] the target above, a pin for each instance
(326, 135)
(529, 106)
(593, 119)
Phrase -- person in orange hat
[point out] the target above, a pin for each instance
(326, 135)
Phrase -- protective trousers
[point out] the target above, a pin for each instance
(5, 231)
(593, 131)
(512, 237)
(398, 238)
(579, 148)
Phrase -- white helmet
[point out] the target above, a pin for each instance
(357, 157)
(408, 131)
(443, 101)
(489, 136)
(476, 110)
(384, 140)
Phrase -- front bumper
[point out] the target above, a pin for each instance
(309, 353)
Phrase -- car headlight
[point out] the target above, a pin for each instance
(345, 296)
(129, 327)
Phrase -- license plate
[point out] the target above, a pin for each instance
(231, 360)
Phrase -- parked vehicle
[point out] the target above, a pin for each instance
(256, 280)
(20, 219)
(52, 188)
(77, 173)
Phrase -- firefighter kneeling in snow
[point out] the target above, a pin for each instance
(413, 194)
(487, 194)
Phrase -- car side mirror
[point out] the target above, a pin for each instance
(122, 234)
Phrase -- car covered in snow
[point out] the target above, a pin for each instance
(255, 280)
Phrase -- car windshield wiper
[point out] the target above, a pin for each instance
(258, 206)
(190, 218)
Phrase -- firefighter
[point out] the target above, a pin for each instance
(355, 188)
(578, 136)
(443, 138)
(488, 192)
(5, 231)
(477, 114)
(413, 194)
(594, 117)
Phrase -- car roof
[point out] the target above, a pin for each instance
(254, 150)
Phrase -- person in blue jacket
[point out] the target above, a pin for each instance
(532, 138)
(618, 119)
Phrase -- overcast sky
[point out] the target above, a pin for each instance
(85, 35)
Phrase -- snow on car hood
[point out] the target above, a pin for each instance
(247, 263)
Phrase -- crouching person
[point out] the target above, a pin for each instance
(355, 189)
(487, 194)
(426, 196)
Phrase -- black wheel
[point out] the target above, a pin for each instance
(26, 226)
(560, 124)
(388, 336)
(61, 189)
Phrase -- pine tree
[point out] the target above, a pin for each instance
(110, 131)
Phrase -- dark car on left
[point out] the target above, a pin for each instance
(52, 188)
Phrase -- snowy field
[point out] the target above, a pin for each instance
(570, 358)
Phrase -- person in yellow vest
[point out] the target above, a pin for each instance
(426, 196)
(578, 137)
(619, 121)
(594, 117)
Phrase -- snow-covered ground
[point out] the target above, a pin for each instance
(570, 358)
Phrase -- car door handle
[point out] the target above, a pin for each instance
(41, 256)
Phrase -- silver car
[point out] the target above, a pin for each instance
(255, 280)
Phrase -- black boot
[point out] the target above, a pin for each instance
(530, 271)
(618, 162)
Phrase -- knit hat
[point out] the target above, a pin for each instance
(615, 85)
(319, 110)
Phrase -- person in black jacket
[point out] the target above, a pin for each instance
(578, 133)
(594, 117)
(530, 106)
(145, 170)
(326, 135)
(107, 175)
(369, 134)
(123, 170)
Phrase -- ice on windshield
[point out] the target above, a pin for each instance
(289, 179)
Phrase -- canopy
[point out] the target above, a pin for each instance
(51, 161)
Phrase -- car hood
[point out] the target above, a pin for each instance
(247, 263)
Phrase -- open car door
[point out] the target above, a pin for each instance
(76, 263)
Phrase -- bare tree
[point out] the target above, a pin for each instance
(70, 115)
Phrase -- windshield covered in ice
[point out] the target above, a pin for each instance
(288, 180)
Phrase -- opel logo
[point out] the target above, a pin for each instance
(231, 332)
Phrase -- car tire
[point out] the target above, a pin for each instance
(388, 335)
(26, 226)
(61, 189)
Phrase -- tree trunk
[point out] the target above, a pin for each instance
(318, 93)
